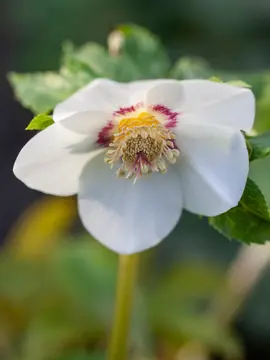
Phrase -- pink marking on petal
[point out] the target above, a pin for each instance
(105, 134)
(170, 115)
(139, 105)
(127, 110)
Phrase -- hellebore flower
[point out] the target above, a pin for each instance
(139, 153)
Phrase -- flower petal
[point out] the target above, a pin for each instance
(53, 159)
(213, 167)
(157, 92)
(87, 122)
(124, 216)
(218, 103)
(168, 93)
(100, 95)
(141, 85)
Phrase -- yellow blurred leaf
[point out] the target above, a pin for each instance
(192, 351)
(41, 226)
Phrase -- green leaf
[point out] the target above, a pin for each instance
(81, 355)
(205, 329)
(177, 308)
(249, 148)
(239, 83)
(215, 79)
(198, 68)
(249, 221)
(83, 262)
(262, 122)
(145, 51)
(259, 172)
(47, 333)
(40, 92)
(253, 200)
(260, 145)
(140, 56)
(95, 61)
(131, 59)
(192, 68)
(40, 122)
(91, 58)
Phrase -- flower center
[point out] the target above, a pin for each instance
(141, 145)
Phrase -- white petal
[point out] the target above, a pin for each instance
(53, 159)
(156, 92)
(87, 122)
(141, 85)
(168, 93)
(213, 166)
(217, 103)
(100, 95)
(124, 216)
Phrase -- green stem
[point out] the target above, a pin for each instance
(124, 295)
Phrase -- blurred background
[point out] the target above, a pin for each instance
(200, 296)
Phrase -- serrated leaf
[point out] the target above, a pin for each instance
(94, 60)
(260, 145)
(40, 122)
(40, 92)
(141, 56)
(254, 201)
(241, 225)
(133, 59)
(249, 221)
(145, 50)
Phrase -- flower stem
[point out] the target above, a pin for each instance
(124, 295)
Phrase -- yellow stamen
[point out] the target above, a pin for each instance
(143, 119)
(142, 145)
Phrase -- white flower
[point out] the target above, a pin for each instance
(138, 153)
